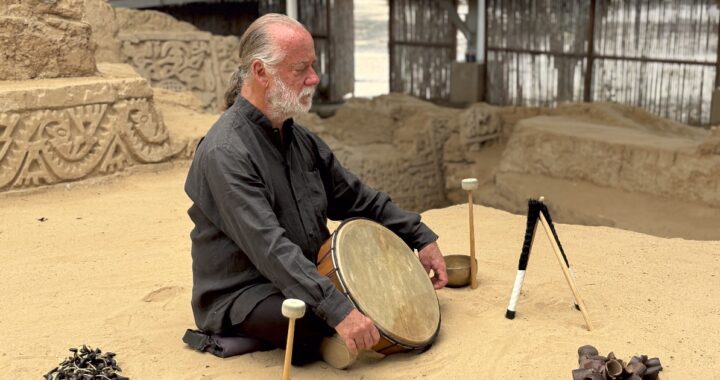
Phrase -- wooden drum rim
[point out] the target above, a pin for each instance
(349, 295)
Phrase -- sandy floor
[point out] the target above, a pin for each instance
(110, 267)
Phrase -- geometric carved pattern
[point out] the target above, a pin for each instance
(226, 51)
(11, 147)
(193, 61)
(43, 147)
(116, 158)
(142, 130)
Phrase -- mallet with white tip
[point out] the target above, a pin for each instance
(291, 309)
(470, 184)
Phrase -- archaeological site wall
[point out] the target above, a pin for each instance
(419, 152)
(413, 150)
(81, 120)
(52, 28)
(174, 55)
(63, 130)
(614, 156)
(64, 118)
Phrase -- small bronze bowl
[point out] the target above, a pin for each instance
(458, 270)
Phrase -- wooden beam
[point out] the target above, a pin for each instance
(449, 6)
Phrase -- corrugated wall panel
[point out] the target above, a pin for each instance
(658, 55)
(422, 48)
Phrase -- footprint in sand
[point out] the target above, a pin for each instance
(163, 294)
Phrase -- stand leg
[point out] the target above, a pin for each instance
(566, 272)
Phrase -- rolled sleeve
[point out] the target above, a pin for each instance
(334, 309)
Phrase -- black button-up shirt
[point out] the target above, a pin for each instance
(260, 207)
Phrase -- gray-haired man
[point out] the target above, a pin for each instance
(263, 188)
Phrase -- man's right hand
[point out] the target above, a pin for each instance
(358, 332)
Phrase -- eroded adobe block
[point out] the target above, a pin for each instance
(44, 39)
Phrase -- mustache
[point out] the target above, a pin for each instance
(308, 90)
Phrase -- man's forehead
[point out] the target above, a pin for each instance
(284, 34)
(296, 42)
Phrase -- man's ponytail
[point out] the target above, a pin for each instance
(233, 88)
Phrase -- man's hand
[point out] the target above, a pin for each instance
(358, 332)
(431, 258)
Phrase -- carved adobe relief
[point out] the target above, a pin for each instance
(172, 64)
(13, 146)
(142, 130)
(72, 140)
(226, 50)
(44, 147)
(196, 62)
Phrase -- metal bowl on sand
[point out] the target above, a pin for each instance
(458, 270)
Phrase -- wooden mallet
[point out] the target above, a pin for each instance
(291, 309)
(470, 184)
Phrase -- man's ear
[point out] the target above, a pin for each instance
(260, 73)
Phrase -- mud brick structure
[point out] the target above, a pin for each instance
(80, 120)
(44, 39)
(479, 124)
(59, 130)
(413, 178)
(613, 156)
(188, 61)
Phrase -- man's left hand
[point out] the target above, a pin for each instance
(431, 258)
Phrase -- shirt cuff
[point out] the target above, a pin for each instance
(334, 308)
(423, 236)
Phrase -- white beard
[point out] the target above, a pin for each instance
(284, 104)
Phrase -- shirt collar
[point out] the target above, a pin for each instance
(256, 116)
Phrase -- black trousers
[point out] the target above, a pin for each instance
(267, 324)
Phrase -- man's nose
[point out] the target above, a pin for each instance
(313, 79)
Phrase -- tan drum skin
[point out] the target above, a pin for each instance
(385, 281)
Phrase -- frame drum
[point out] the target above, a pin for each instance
(385, 281)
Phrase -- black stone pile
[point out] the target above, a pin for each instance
(596, 367)
(87, 363)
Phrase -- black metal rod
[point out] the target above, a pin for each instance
(590, 54)
(485, 53)
(391, 44)
(717, 63)
(600, 56)
(425, 44)
(330, 68)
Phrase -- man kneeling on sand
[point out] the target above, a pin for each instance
(263, 188)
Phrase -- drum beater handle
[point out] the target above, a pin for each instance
(470, 184)
(291, 309)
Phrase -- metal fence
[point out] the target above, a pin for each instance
(658, 55)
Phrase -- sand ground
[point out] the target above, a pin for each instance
(110, 267)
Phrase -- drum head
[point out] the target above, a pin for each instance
(386, 282)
